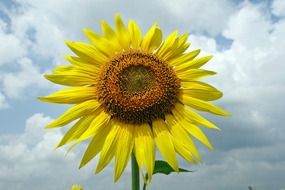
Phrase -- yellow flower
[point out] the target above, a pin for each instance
(76, 187)
(134, 93)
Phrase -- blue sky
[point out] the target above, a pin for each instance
(246, 39)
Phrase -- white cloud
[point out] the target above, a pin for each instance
(201, 16)
(37, 31)
(257, 49)
(206, 44)
(3, 103)
(250, 21)
(251, 75)
(255, 58)
(278, 7)
(11, 47)
(42, 29)
(30, 161)
(15, 84)
(234, 170)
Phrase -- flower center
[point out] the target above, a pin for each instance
(137, 87)
(137, 79)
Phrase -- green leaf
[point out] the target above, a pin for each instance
(163, 167)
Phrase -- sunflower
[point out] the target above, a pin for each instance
(76, 187)
(134, 94)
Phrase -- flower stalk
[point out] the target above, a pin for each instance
(135, 174)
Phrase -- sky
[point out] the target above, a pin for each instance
(247, 41)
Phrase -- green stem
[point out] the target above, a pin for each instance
(144, 186)
(135, 174)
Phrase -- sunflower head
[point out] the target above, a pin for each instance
(137, 87)
(134, 93)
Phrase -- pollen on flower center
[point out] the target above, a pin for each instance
(137, 79)
(137, 87)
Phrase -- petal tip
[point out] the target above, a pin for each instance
(81, 164)
(98, 170)
(60, 144)
(86, 30)
(41, 98)
(67, 42)
(116, 177)
(118, 15)
(209, 57)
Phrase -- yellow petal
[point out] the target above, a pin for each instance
(84, 65)
(109, 147)
(196, 132)
(164, 142)
(107, 30)
(95, 145)
(185, 152)
(184, 58)
(193, 64)
(71, 147)
(182, 142)
(156, 40)
(101, 120)
(92, 36)
(87, 52)
(124, 148)
(122, 33)
(181, 112)
(173, 47)
(71, 79)
(144, 148)
(71, 95)
(78, 129)
(86, 69)
(181, 46)
(120, 26)
(168, 45)
(200, 90)
(201, 105)
(74, 113)
(74, 69)
(135, 34)
(105, 46)
(152, 39)
(62, 68)
(193, 74)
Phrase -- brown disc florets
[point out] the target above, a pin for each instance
(137, 87)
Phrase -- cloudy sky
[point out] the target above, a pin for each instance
(247, 41)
